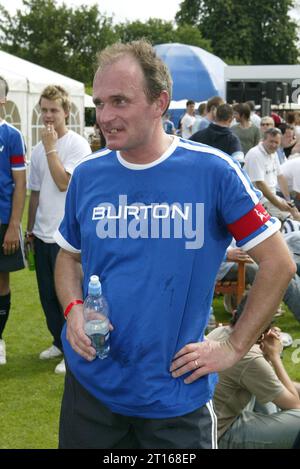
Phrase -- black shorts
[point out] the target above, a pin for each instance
(86, 423)
(13, 262)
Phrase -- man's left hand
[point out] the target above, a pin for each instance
(202, 358)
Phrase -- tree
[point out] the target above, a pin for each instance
(57, 37)
(158, 31)
(252, 32)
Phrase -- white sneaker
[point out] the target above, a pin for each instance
(60, 369)
(51, 352)
(2, 353)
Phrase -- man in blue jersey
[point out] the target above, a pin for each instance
(12, 199)
(152, 215)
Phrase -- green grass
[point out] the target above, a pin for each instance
(31, 391)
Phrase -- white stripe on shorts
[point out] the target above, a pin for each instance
(214, 440)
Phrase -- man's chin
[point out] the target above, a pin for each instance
(113, 146)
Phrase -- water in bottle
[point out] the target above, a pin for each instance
(95, 310)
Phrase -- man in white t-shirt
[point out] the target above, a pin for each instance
(291, 171)
(263, 167)
(188, 119)
(52, 163)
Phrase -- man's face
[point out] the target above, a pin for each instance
(272, 143)
(53, 113)
(124, 114)
(191, 109)
(266, 125)
(236, 116)
(288, 138)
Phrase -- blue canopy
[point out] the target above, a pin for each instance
(196, 73)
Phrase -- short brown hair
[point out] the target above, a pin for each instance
(156, 73)
(215, 101)
(224, 113)
(242, 109)
(273, 132)
(54, 93)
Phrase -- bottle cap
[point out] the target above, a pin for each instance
(95, 285)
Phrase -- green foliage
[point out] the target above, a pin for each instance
(253, 32)
(67, 40)
(57, 37)
(155, 30)
(161, 32)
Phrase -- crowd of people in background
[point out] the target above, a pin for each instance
(267, 148)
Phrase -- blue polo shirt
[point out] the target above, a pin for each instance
(156, 235)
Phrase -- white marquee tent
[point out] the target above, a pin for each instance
(26, 82)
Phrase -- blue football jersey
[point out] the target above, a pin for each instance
(156, 235)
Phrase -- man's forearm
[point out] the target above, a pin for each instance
(18, 200)
(32, 208)
(268, 194)
(57, 170)
(283, 376)
(274, 261)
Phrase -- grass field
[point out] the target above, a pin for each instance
(31, 391)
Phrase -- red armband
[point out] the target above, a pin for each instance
(70, 306)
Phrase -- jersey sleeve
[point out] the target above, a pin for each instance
(68, 235)
(245, 218)
(17, 152)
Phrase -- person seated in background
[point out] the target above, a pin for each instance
(264, 170)
(259, 376)
(229, 272)
(291, 171)
(219, 135)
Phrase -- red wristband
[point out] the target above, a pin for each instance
(70, 306)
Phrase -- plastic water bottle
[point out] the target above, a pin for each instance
(95, 310)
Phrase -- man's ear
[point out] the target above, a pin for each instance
(162, 103)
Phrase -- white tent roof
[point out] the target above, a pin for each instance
(88, 101)
(26, 76)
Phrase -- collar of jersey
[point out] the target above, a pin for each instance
(163, 157)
